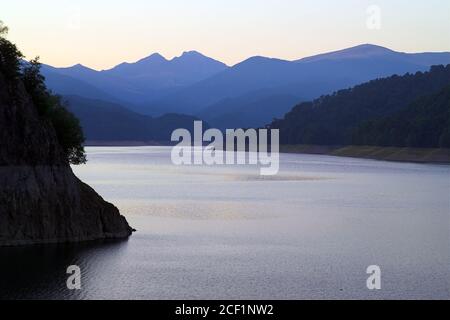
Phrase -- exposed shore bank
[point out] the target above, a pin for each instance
(418, 155)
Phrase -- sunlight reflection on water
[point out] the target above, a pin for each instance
(227, 233)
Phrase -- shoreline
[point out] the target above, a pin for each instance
(124, 143)
(395, 154)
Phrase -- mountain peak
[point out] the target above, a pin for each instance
(256, 61)
(79, 66)
(191, 53)
(368, 48)
(188, 55)
(154, 57)
(196, 58)
(359, 51)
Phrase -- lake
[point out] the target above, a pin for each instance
(225, 232)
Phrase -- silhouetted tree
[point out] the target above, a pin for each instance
(67, 126)
(68, 130)
(3, 28)
(9, 56)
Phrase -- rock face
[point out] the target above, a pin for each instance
(41, 200)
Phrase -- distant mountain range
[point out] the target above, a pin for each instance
(251, 110)
(104, 122)
(248, 94)
(134, 83)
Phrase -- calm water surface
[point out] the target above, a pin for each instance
(228, 233)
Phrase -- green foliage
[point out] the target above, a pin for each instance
(423, 124)
(336, 119)
(444, 140)
(34, 84)
(68, 131)
(3, 28)
(9, 56)
(67, 126)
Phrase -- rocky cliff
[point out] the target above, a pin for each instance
(41, 200)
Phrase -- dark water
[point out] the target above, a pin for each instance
(227, 233)
(39, 272)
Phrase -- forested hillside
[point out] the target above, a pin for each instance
(423, 124)
(334, 119)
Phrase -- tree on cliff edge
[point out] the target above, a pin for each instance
(67, 126)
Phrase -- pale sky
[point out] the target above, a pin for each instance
(104, 33)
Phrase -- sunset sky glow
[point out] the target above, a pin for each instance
(103, 33)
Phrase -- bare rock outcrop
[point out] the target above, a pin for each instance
(41, 200)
